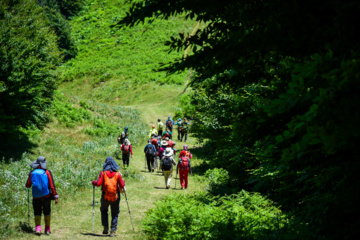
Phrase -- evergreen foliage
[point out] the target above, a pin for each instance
(275, 87)
(28, 58)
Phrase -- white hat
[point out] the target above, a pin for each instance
(168, 152)
(164, 143)
(167, 139)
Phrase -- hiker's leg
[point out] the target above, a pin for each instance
(181, 175)
(115, 210)
(179, 132)
(160, 133)
(152, 160)
(104, 212)
(148, 160)
(37, 206)
(124, 159)
(166, 176)
(47, 213)
(185, 137)
(169, 180)
(186, 174)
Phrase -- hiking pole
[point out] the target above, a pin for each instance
(93, 206)
(29, 206)
(175, 179)
(129, 209)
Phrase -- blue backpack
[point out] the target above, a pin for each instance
(40, 183)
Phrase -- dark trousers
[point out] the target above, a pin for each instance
(182, 136)
(179, 134)
(150, 161)
(115, 210)
(160, 133)
(42, 205)
(126, 159)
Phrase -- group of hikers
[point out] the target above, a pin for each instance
(160, 153)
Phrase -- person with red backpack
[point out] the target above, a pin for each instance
(43, 191)
(126, 151)
(169, 124)
(112, 185)
(184, 152)
(183, 168)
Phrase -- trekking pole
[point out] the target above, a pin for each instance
(175, 179)
(93, 206)
(29, 206)
(129, 209)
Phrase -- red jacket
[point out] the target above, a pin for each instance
(122, 149)
(100, 180)
(51, 183)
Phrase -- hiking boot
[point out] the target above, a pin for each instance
(47, 230)
(38, 230)
(106, 230)
(152, 169)
(113, 233)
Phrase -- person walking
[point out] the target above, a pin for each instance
(183, 168)
(126, 151)
(152, 132)
(160, 127)
(185, 152)
(122, 136)
(184, 130)
(169, 124)
(160, 153)
(167, 134)
(112, 185)
(150, 152)
(167, 166)
(179, 130)
(43, 191)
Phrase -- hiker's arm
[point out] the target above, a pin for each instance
(52, 184)
(99, 181)
(28, 183)
(145, 148)
(121, 182)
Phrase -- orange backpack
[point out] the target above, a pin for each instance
(110, 187)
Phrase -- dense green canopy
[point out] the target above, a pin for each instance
(275, 89)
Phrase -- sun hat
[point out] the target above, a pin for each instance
(168, 152)
(40, 161)
(153, 126)
(164, 143)
(167, 139)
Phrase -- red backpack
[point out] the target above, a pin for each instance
(184, 164)
(126, 149)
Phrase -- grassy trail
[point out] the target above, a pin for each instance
(72, 218)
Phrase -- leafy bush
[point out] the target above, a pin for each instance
(201, 216)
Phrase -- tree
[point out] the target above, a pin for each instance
(28, 59)
(290, 68)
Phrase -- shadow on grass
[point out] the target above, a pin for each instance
(14, 146)
(160, 187)
(95, 235)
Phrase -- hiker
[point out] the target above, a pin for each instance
(122, 136)
(167, 166)
(184, 167)
(185, 152)
(126, 151)
(169, 124)
(171, 144)
(43, 191)
(152, 132)
(160, 153)
(112, 185)
(150, 152)
(167, 134)
(184, 130)
(179, 124)
(160, 126)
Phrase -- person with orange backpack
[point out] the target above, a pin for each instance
(183, 168)
(112, 185)
(169, 124)
(43, 191)
(126, 151)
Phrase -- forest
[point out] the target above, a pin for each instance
(269, 87)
